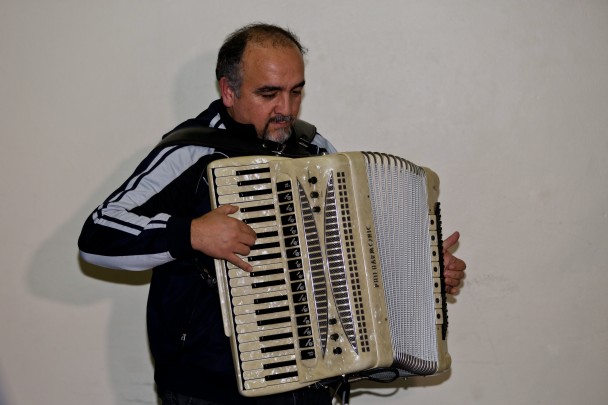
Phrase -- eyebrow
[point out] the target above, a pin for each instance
(270, 89)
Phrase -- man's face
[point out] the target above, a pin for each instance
(271, 90)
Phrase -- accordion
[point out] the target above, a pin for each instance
(347, 269)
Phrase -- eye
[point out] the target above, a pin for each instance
(268, 96)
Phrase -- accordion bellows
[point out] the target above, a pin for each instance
(347, 269)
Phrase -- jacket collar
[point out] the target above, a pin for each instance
(230, 123)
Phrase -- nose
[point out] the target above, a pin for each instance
(284, 104)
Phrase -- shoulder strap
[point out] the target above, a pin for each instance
(234, 142)
(305, 132)
(212, 138)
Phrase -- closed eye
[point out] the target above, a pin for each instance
(267, 92)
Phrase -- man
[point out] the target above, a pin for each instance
(161, 218)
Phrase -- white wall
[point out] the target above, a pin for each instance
(506, 100)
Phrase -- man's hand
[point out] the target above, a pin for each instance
(454, 267)
(220, 236)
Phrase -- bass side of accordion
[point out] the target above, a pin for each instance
(347, 269)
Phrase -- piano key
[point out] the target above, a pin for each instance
(257, 255)
(270, 363)
(253, 182)
(276, 335)
(265, 298)
(256, 217)
(256, 189)
(274, 260)
(272, 309)
(264, 334)
(258, 355)
(258, 319)
(263, 269)
(240, 170)
(236, 199)
(261, 233)
(232, 180)
(275, 373)
(256, 223)
(262, 383)
(254, 327)
(269, 272)
(247, 170)
(278, 345)
(239, 291)
(254, 309)
(256, 205)
(252, 281)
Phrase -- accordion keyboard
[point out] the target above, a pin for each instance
(268, 301)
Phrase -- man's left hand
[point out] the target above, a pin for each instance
(454, 267)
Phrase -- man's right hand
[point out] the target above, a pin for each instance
(220, 236)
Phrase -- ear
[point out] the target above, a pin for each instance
(227, 93)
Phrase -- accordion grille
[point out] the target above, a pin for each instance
(400, 213)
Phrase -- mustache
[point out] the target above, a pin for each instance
(282, 118)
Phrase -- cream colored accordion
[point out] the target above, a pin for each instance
(347, 269)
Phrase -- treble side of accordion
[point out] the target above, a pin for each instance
(338, 285)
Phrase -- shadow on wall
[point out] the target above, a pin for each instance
(54, 264)
(54, 276)
(53, 271)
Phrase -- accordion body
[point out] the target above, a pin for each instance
(347, 269)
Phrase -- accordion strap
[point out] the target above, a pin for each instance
(231, 141)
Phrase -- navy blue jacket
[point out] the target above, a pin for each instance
(145, 224)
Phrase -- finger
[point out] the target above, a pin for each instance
(451, 262)
(448, 259)
(240, 263)
(452, 286)
(452, 290)
(242, 249)
(452, 281)
(227, 209)
(456, 264)
(248, 235)
(451, 240)
(454, 275)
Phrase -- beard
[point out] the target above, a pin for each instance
(280, 135)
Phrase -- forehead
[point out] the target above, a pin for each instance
(267, 64)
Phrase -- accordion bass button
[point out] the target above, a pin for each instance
(338, 350)
(334, 336)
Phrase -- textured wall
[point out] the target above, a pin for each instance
(506, 100)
